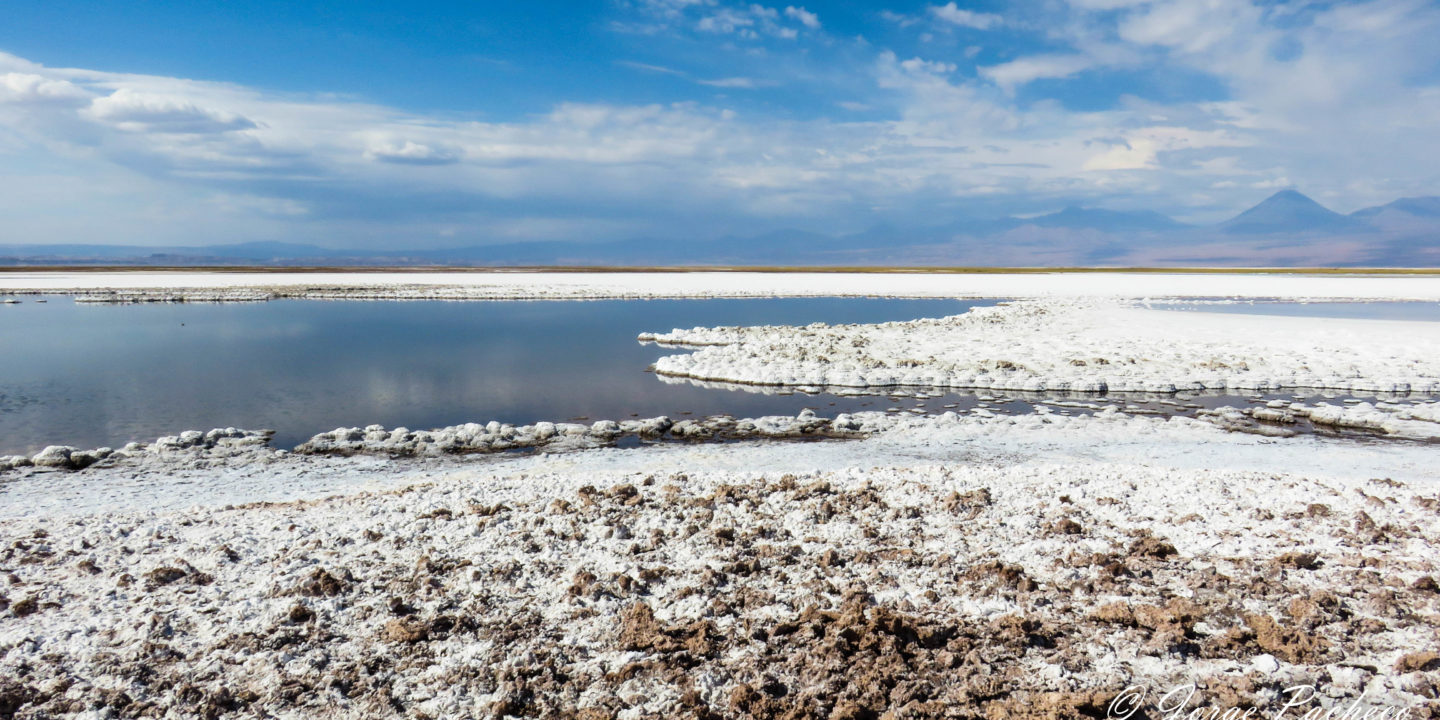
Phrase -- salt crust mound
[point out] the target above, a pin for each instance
(955, 591)
(497, 437)
(184, 449)
(1071, 346)
(230, 445)
(1414, 422)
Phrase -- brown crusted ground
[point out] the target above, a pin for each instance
(771, 624)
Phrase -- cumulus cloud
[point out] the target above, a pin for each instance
(1036, 67)
(954, 15)
(17, 87)
(900, 19)
(805, 17)
(747, 21)
(138, 112)
(409, 152)
(726, 20)
(1141, 148)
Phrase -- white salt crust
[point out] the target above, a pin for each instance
(151, 286)
(220, 589)
(1072, 346)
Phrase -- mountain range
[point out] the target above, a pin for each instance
(1287, 229)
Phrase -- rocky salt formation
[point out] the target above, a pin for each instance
(245, 446)
(1409, 422)
(499, 437)
(923, 592)
(1071, 346)
(190, 448)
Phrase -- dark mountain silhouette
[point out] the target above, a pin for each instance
(1289, 211)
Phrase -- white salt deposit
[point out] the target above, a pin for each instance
(1072, 346)
(1110, 544)
(514, 285)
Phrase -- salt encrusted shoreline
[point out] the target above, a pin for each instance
(230, 446)
(153, 286)
(950, 584)
(1033, 590)
(1071, 346)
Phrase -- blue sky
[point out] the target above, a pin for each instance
(394, 125)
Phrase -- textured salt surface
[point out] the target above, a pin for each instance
(1072, 346)
(1037, 586)
(225, 286)
(229, 467)
(1419, 421)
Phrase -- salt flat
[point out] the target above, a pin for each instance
(153, 285)
(953, 566)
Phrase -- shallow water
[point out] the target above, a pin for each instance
(103, 375)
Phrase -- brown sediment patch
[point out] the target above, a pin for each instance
(805, 597)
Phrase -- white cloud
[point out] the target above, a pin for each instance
(1035, 67)
(955, 15)
(409, 152)
(805, 17)
(919, 65)
(746, 21)
(672, 8)
(729, 82)
(1141, 149)
(1325, 97)
(139, 112)
(725, 20)
(1189, 25)
(755, 21)
(646, 67)
(898, 18)
(1277, 183)
(18, 87)
(733, 82)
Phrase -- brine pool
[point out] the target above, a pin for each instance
(92, 375)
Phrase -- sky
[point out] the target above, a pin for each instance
(357, 124)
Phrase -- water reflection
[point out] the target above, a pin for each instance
(89, 375)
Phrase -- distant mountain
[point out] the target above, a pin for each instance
(1077, 218)
(266, 251)
(1427, 207)
(243, 252)
(1288, 211)
(1406, 215)
(1286, 229)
